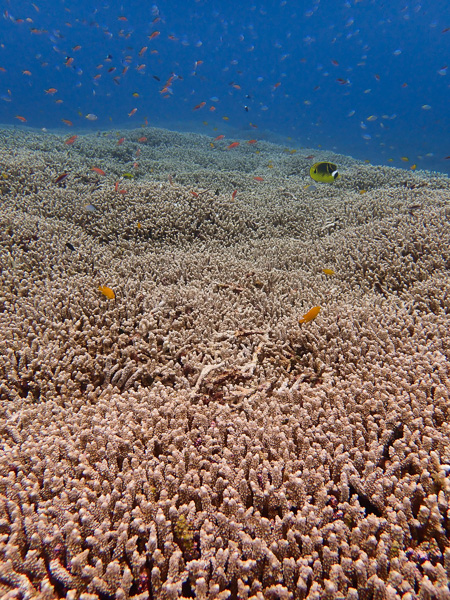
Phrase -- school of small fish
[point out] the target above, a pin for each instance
(153, 57)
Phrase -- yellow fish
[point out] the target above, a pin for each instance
(324, 172)
(310, 315)
(328, 271)
(106, 291)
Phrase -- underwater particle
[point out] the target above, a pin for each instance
(328, 271)
(107, 291)
(310, 315)
(397, 52)
(324, 172)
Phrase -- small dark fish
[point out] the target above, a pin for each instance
(69, 245)
(61, 177)
(156, 77)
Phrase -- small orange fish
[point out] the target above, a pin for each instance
(106, 291)
(143, 50)
(69, 61)
(219, 137)
(97, 170)
(153, 35)
(51, 91)
(252, 141)
(328, 271)
(116, 186)
(71, 140)
(310, 315)
(233, 195)
(20, 118)
(233, 145)
(201, 105)
(195, 194)
(67, 122)
(26, 72)
(142, 139)
(258, 178)
(121, 141)
(132, 112)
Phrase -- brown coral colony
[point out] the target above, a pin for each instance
(185, 437)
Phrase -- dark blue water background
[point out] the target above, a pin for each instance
(367, 78)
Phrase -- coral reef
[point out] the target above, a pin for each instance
(189, 439)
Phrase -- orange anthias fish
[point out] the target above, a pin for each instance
(106, 291)
(233, 145)
(51, 91)
(20, 118)
(71, 140)
(219, 137)
(201, 105)
(97, 170)
(310, 315)
(258, 178)
(67, 122)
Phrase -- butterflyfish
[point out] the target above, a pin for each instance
(324, 172)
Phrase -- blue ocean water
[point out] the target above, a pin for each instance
(367, 78)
